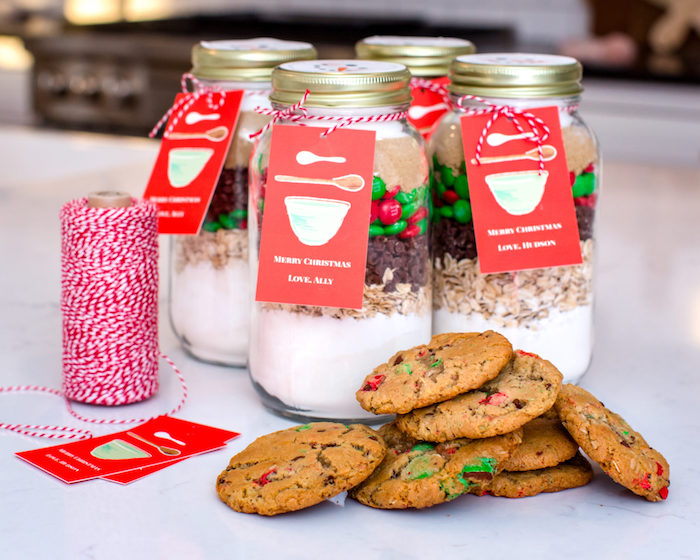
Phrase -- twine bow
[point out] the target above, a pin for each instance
(182, 106)
(538, 128)
(292, 113)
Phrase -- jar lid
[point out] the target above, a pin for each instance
(513, 75)
(245, 60)
(341, 83)
(424, 56)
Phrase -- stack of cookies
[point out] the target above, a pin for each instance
(472, 416)
(523, 429)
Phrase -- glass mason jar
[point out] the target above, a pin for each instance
(428, 59)
(209, 276)
(548, 311)
(307, 362)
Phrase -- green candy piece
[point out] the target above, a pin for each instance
(462, 211)
(211, 226)
(393, 229)
(409, 209)
(375, 230)
(404, 197)
(584, 185)
(463, 166)
(436, 163)
(227, 221)
(239, 214)
(423, 446)
(447, 212)
(378, 187)
(440, 189)
(447, 176)
(423, 225)
(462, 187)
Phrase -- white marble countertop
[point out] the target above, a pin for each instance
(644, 367)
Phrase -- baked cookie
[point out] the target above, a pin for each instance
(299, 467)
(571, 474)
(545, 443)
(450, 364)
(417, 474)
(524, 389)
(606, 438)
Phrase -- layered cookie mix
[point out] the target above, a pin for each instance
(547, 311)
(396, 306)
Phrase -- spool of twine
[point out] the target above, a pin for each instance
(109, 299)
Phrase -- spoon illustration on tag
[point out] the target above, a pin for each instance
(496, 138)
(418, 111)
(306, 158)
(350, 182)
(195, 117)
(166, 435)
(548, 153)
(216, 134)
(162, 448)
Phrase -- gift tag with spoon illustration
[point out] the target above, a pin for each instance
(313, 243)
(520, 193)
(192, 153)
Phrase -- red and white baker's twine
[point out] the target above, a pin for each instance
(297, 113)
(539, 129)
(430, 85)
(182, 106)
(109, 303)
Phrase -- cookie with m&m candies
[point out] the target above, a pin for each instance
(621, 452)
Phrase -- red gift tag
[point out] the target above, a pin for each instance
(190, 159)
(428, 106)
(524, 216)
(140, 447)
(315, 222)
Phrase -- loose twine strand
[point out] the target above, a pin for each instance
(109, 304)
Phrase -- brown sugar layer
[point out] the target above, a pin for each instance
(401, 161)
(580, 148)
(218, 248)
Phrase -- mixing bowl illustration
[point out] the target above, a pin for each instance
(185, 164)
(117, 449)
(517, 192)
(315, 221)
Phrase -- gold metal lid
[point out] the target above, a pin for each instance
(245, 60)
(513, 75)
(424, 56)
(341, 83)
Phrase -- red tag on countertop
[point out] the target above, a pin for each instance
(192, 153)
(158, 442)
(315, 222)
(524, 218)
(427, 107)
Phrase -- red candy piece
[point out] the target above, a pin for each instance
(450, 196)
(664, 492)
(659, 469)
(419, 214)
(373, 383)
(391, 193)
(422, 352)
(497, 399)
(585, 200)
(643, 482)
(244, 224)
(589, 168)
(411, 231)
(262, 481)
(389, 211)
(374, 211)
(523, 353)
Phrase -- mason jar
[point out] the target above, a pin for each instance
(308, 361)
(547, 311)
(209, 276)
(428, 59)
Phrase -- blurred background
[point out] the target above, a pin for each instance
(113, 66)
